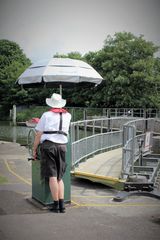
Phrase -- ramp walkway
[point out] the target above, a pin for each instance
(113, 150)
(103, 168)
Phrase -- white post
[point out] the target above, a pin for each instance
(14, 115)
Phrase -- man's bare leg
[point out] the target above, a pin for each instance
(54, 188)
(61, 189)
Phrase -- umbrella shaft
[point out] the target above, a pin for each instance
(60, 89)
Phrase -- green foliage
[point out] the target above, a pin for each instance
(30, 113)
(72, 55)
(12, 63)
(130, 70)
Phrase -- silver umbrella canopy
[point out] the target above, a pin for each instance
(59, 71)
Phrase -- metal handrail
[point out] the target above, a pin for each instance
(132, 132)
(103, 134)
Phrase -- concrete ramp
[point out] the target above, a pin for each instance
(104, 168)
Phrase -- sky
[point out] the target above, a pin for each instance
(43, 28)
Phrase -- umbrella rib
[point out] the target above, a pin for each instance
(60, 66)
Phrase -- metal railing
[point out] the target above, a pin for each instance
(88, 146)
(89, 137)
(137, 135)
(86, 128)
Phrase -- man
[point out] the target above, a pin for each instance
(51, 131)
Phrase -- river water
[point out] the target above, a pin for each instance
(11, 133)
(19, 134)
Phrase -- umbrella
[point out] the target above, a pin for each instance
(59, 71)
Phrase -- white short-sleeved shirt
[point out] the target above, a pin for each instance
(50, 122)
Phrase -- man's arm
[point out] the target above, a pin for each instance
(36, 143)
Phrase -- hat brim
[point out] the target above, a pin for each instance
(55, 104)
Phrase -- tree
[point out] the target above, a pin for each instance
(72, 55)
(130, 70)
(12, 63)
(77, 95)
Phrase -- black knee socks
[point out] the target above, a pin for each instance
(61, 205)
(58, 206)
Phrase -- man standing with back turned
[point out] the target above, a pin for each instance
(51, 131)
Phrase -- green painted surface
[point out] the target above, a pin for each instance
(40, 189)
(3, 179)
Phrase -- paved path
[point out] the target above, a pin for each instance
(93, 215)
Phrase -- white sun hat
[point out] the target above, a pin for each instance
(56, 101)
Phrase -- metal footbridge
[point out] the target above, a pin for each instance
(119, 152)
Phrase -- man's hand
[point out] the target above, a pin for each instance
(35, 155)
(36, 143)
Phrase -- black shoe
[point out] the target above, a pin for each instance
(54, 210)
(55, 207)
(62, 208)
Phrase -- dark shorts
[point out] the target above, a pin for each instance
(53, 160)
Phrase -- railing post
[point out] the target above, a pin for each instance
(108, 110)
(77, 132)
(93, 131)
(123, 149)
(104, 111)
(146, 120)
(116, 112)
(109, 121)
(85, 129)
(140, 144)
(84, 114)
(133, 149)
(73, 114)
